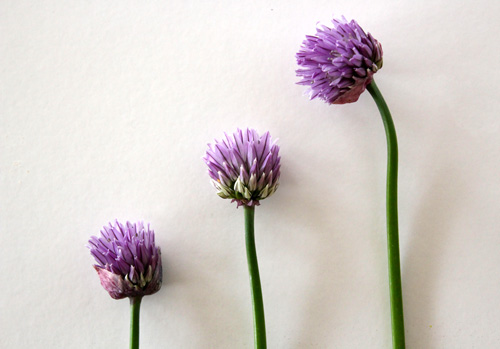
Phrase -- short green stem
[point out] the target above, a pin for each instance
(259, 323)
(396, 296)
(135, 307)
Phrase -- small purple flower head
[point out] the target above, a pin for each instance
(338, 63)
(244, 167)
(128, 262)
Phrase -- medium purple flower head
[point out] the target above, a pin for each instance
(338, 63)
(128, 262)
(244, 167)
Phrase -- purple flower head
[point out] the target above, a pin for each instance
(128, 262)
(338, 63)
(244, 167)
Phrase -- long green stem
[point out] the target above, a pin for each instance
(397, 319)
(135, 307)
(259, 323)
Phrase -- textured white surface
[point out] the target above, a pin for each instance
(106, 109)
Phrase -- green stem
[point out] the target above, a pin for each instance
(135, 307)
(398, 331)
(259, 323)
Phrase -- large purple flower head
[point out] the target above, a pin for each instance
(338, 63)
(244, 167)
(128, 262)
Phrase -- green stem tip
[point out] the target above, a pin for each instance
(135, 307)
(396, 297)
(253, 269)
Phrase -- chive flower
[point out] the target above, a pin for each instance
(128, 262)
(244, 167)
(338, 63)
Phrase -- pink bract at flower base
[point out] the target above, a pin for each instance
(338, 63)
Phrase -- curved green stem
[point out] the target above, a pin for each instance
(135, 307)
(259, 323)
(398, 332)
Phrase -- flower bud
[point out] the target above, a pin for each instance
(338, 63)
(128, 262)
(244, 167)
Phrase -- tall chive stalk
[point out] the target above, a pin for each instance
(259, 323)
(397, 319)
(245, 167)
(337, 65)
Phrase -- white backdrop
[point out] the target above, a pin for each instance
(106, 109)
